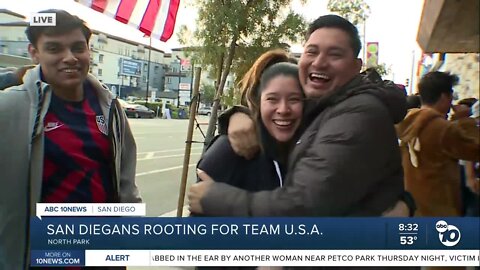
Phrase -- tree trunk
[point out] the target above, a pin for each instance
(226, 70)
(219, 72)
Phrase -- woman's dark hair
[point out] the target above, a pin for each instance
(278, 69)
(266, 67)
(250, 82)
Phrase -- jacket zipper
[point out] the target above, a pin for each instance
(41, 100)
(112, 114)
(26, 253)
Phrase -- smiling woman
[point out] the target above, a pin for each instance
(272, 90)
(281, 107)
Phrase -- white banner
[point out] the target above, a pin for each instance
(282, 258)
(90, 209)
(184, 86)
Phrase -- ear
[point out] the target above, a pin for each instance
(33, 53)
(358, 64)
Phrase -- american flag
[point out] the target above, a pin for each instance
(155, 18)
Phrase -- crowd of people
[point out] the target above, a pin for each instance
(317, 138)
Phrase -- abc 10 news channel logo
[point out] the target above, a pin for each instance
(449, 235)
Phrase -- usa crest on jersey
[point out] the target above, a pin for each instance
(102, 124)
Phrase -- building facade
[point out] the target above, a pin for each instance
(128, 68)
(13, 41)
(449, 31)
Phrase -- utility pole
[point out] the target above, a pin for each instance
(188, 146)
(191, 81)
(410, 91)
(179, 79)
(148, 71)
(178, 85)
(365, 40)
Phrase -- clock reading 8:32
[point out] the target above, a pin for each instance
(408, 227)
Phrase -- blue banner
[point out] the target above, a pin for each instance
(130, 68)
(96, 233)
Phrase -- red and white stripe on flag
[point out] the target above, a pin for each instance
(155, 18)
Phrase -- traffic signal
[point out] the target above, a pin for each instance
(407, 82)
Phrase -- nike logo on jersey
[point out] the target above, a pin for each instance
(52, 126)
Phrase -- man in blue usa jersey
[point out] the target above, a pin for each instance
(65, 138)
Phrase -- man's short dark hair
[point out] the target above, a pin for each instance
(334, 21)
(65, 23)
(434, 84)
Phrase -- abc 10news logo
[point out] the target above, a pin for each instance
(449, 235)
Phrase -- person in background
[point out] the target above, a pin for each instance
(465, 118)
(472, 169)
(65, 138)
(347, 161)
(12, 76)
(431, 147)
(414, 101)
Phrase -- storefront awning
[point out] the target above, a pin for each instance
(449, 26)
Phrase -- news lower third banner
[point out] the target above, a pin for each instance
(150, 241)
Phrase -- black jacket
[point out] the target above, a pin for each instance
(223, 165)
(346, 163)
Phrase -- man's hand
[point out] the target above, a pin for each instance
(472, 181)
(474, 186)
(460, 112)
(20, 72)
(197, 192)
(242, 135)
(399, 210)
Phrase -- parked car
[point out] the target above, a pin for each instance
(138, 111)
(205, 111)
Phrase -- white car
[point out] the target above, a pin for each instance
(205, 111)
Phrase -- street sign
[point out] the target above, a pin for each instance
(153, 96)
(185, 65)
(130, 68)
(184, 86)
(372, 54)
(184, 94)
(114, 90)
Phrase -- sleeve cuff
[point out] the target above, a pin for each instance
(225, 200)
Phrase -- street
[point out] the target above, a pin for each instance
(160, 154)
